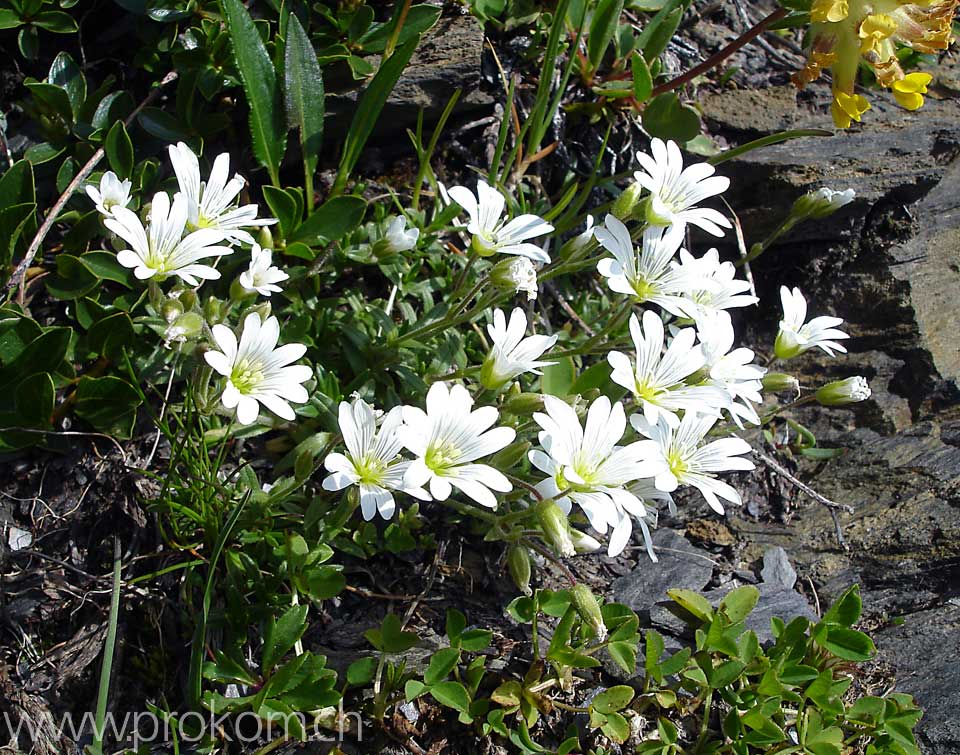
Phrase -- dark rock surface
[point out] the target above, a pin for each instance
(890, 266)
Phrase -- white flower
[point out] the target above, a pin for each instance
(162, 250)
(657, 380)
(690, 462)
(516, 275)
(733, 371)
(490, 234)
(211, 203)
(399, 238)
(587, 467)
(112, 193)
(649, 279)
(261, 277)
(372, 460)
(712, 285)
(795, 337)
(822, 202)
(512, 354)
(257, 370)
(447, 439)
(842, 392)
(675, 190)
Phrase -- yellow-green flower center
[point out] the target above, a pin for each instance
(246, 375)
(369, 469)
(440, 456)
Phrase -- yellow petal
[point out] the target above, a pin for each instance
(831, 11)
(908, 100)
(913, 82)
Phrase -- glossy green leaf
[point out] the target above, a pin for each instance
(331, 221)
(558, 378)
(282, 634)
(108, 403)
(452, 694)
(119, 150)
(667, 118)
(603, 25)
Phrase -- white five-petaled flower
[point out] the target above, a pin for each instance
(490, 233)
(796, 337)
(651, 278)
(732, 370)
(211, 203)
(712, 285)
(399, 238)
(587, 467)
(657, 379)
(512, 354)
(372, 460)
(447, 439)
(675, 191)
(691, 462)
(112, 193)
(257, 370)
(261, 276)
(162, 250)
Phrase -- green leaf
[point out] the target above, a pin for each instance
(558, 378)
(72, 278)
(624, 654)
(325, 582)
(119, 150)
(108, 403)
(17, 185)
(413, 689)
(613, 699)
(34, 400)
(361, 672)
(368, 109)
(455, 624)
(267, 127)
(475, 640)
(281, 635)
(738, 603)
(108, 335)
(692, 602)
(66, 74)
(14, 219)
(9, 19)
(390, 637)
(642, 79)
(104, 265)
(441, 664)
(333, 220)
(452, 694)
(284, 207)
(849, 644)
(666, 117)
(56, 21)
(846, 609)
(595, 376)
(52, 98)
(603, 25)
(43, 354)
(303, 91)
(616, 728)
(420, 18)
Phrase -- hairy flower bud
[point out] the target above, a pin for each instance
(186, 326)
(555, 527)
(523, 404)
(515, 275)
(821, 203)
(589, 610)
(626, 203)
(508, 457)
(780, 382)
(518, 562)
(583, 543)
(171, 309)
(842, 392)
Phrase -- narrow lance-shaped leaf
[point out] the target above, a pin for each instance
(267, 126)
(368, 109)
(304, 95)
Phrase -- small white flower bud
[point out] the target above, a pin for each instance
(842, 392)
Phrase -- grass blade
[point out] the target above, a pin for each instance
(368, 109)
(103, 691)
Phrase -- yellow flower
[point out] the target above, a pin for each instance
(909, 91)
(847, 108)
(824, 11)
(875, 28)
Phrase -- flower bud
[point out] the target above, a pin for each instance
(262, 309)
(523, 403)
(515, 274)
(780, 382)
(786, 346)
(239, 293)
(212, 311)
(821, 203)
(265, 237)
(303, 466)
(580, 244)
(518, 562)
(188, 298)
(589, 610)
(508, 457)
(626, 203)
(171, 309)
(842, 392)
(186, 326)
(555, 527)
(583, 543)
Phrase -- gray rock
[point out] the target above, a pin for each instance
(681, 565)
(924, 650)
(777, 569)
